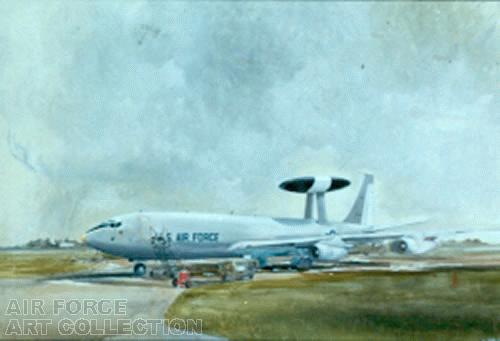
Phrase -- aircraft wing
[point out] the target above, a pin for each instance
(292, 242)
(378, 228)
(382, 232)
(371, 237)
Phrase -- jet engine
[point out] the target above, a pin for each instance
(413, 245)
(328, 251)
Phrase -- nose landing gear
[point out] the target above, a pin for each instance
(139, 269)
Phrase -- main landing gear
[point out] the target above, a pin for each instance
(302, 263)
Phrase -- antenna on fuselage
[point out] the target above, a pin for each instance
(314, 187)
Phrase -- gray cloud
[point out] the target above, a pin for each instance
(107, 108)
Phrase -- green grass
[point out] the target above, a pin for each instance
(354, 306)
(16, 264)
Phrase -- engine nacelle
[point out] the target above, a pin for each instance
(329, 251)
(413, 245)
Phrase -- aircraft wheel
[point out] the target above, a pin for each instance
(188, 284)
(174, 282)
(139, 269)
(304, 264)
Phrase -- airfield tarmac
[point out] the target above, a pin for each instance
(62, 298)
(141, 299)
(149, 298)
(141, 302)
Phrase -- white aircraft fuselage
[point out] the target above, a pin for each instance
(166, 235)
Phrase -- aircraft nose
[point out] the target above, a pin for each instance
(95, 239)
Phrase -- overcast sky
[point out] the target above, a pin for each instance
(111, 107)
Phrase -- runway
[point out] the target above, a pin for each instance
(57, 303)
(145, 298)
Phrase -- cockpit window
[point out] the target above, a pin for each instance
(109, 223)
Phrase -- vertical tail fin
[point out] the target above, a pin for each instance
(362, 209)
